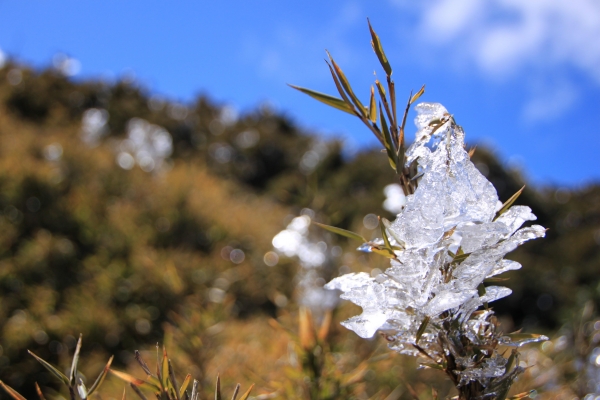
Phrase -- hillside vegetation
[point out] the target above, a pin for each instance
(175, 253)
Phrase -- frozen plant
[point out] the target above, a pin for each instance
(446, 244)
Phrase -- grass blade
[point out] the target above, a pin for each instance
(422, 328)
(39, 392)
(165, 370)
(173, 381)
(342, 232)
(509, 202)
(376, 43)
(142, 363)
(138, 391)
(184, 385)
(326, 99)
(372, 107)
(346, 85)
(417, 95)
(247, 394)
(12, 392)
(52, 369)
(218, 388)
(133, 380)
(387, 141)
(101, 377)
(236, 391)
(75, 361)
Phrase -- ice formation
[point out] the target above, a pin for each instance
(451, 239)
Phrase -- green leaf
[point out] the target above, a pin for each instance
(11, 392)
(460, 258)
(342, 232)
(372, 107)
(346, 85)
(52, 369)
(387, 140)
(101, 377)
(422, 328)
(173, 381)
(326, 99)
(417, 95)
(73, 373)
(509, 203)
(386, 241)
(376, 43)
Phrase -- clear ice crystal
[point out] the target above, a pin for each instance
(454, 208)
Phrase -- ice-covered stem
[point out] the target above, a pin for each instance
(382, 121)
(446, 245)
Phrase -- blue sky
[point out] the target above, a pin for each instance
(523, 76)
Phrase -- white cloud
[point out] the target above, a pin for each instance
(503, 38)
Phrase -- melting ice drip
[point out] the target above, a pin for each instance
(314, 258)
(454, 207)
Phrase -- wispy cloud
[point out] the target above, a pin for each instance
(505, 38)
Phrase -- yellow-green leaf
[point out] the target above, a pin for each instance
(418, 94)
(342, 232)
(184, 385)
(422, 328)
(372, 107)
(52, 369)
(509, 203)
(376, 43)
(388, 226)
(133, 380)
(326, 99)
(346, 85)
(247, 394)
(101, 377)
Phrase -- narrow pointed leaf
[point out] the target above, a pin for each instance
(326, 99)
(384, 100)
(173, 381)
(39, 392)
(52, 369)
(342, 232)
(73, 372)
(432, 365)
(194, 395)
(472, 151)
(518, 339)
(11, 392)
(387, 141)
(509, 202)
(417, 95)
(372, 107)
(101, 377)
(346, 85)
(386, 241)
(422, 328)
(236, 391)
(247, 394)
(460, 257)
(165, 370)
(218, 388)
(376, 43)
(184, 385)
(388, 226)
(142, 363)
(138, 392)
(133, 380)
